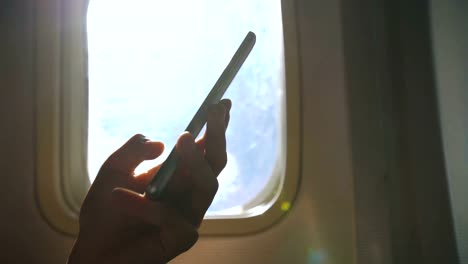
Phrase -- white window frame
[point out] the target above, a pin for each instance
(61, 122)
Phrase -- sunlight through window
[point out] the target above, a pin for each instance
(151, 64)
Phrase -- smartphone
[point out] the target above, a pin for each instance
(155, 189)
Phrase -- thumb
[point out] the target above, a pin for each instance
(136, 150)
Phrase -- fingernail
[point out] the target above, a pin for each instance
(142, 139)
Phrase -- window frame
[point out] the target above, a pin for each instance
(58, 42)
(61, 65)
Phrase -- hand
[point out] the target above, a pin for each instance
(119, 225)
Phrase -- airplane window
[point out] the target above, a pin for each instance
(450, 52)
(151, 64)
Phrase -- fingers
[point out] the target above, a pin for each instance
(227, 105)
(132, 153)
(194, 185)
(215, 142)
(202, 164)
(204, 184)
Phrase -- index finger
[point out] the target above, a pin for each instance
(203, 182)
(215, 141)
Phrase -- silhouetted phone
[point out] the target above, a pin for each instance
(155, 189)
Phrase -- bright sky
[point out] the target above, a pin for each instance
(151, 64)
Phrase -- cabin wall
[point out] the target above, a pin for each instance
(320, 225)
(25, 236)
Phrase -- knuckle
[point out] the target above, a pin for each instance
(209, 187)
(213, 187)
(192, 238)
(218, 163)
(223, 161)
